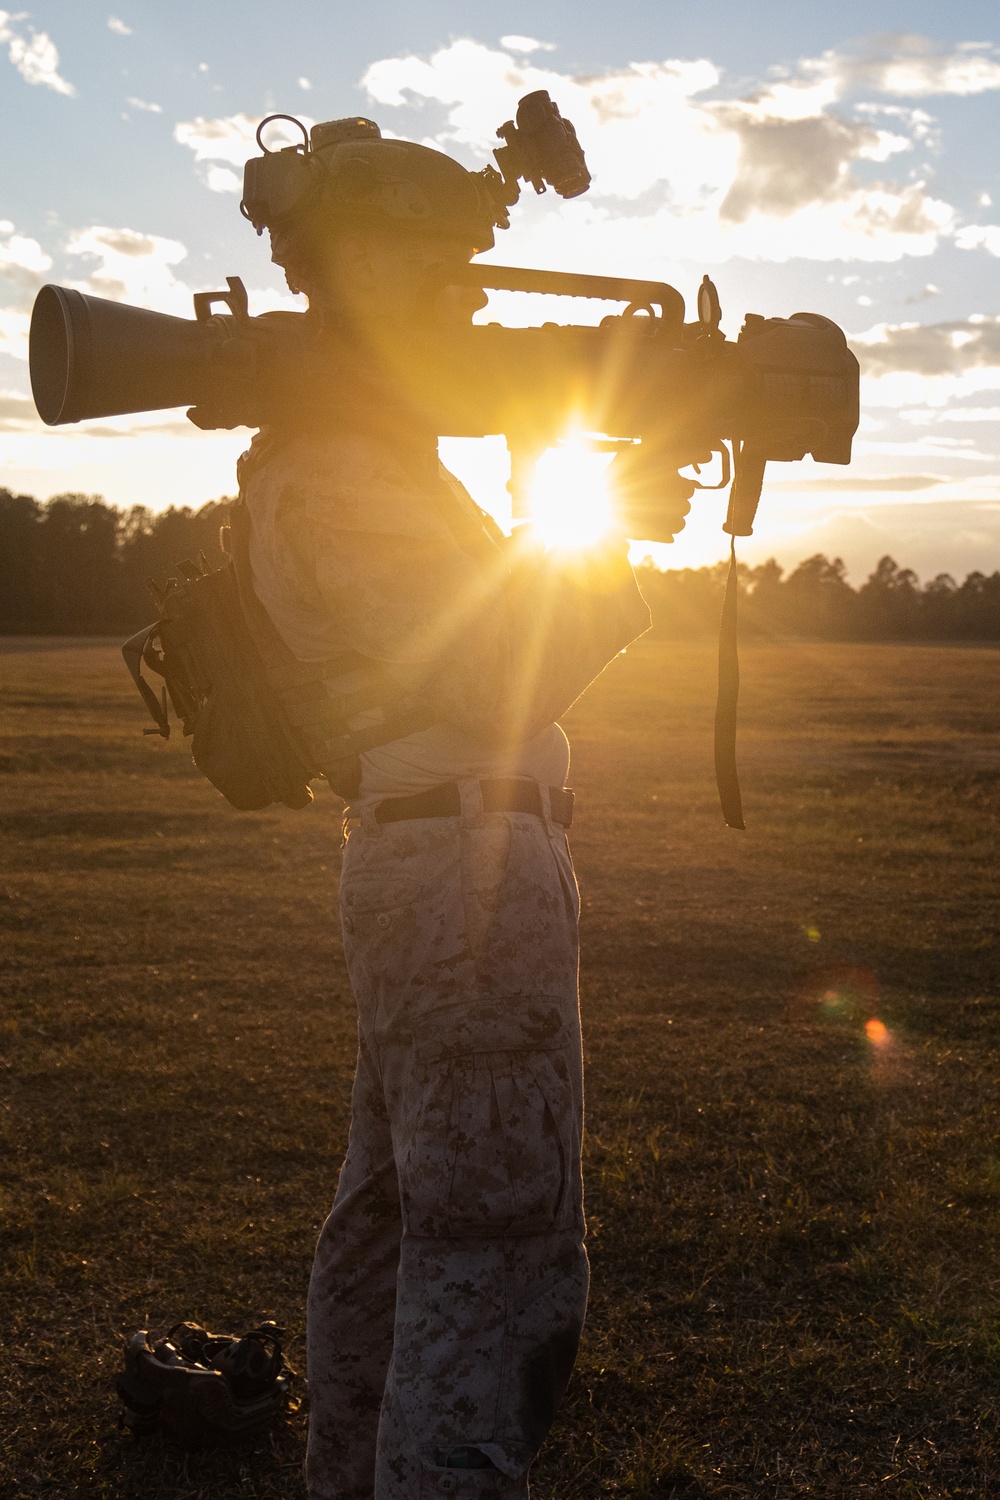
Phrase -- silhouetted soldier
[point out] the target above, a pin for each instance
(450, 1280)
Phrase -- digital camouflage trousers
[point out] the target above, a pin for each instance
(450, 1280)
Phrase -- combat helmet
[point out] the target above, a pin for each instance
(344, 174)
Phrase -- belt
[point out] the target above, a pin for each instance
(500, 794)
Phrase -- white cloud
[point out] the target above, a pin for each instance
(154, 109)
(896, 484)
(914, 67)
(14, 333)
(22, 260)
(304, 83)
(910, 365)
(118, 27)
(979, 236)
(17, 412)
(526, 44)
(231, 138)
(221, 179)
(770, 176)
(929, 348)
(33, 53)
(924, 415)
(924, 447)
(23, 264)
(132, 267)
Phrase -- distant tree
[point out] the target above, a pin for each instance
(764, 594)
(684, 602)
(151, 544)
(938, 612)
(977, 603)
(21, 562)
(78, 566)
(816, 599)
(889, 602)
(79, 589)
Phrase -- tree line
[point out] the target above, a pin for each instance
(76, 565)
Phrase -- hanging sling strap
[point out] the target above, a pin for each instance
(726, 773)
(744, 496)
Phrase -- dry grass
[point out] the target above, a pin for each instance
(792, 1228)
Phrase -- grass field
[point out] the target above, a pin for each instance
(793, 1218)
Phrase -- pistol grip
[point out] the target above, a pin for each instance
(744, 496)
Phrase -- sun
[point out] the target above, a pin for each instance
(569, 497)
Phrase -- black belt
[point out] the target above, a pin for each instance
(500, 794)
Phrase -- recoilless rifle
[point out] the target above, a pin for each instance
(659, 391)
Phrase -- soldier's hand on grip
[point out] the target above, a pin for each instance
(651, 498)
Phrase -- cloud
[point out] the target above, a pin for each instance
(118, 27)
(912, 67)
(932, 535)
(929, 348)
(979, 237)
(525, 44)
(154, 109)
(132, 267)
(893, 483)
(34, 54)
(22, 260)
(231, 138)
(923, 415)
(221, 180)
(14, 333)
(23, 264)
(776, 174)
(928, 365)
(928, 446)
(305, 84)
(17, 412)
(787, 164)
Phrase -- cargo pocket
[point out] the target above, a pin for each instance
(396, 913)
(495, 1145)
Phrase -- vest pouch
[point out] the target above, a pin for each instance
(219, 687)
(241, 751)
(263, 724)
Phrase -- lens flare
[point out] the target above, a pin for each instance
(877, 1032)
(570, 499)
(838, 994)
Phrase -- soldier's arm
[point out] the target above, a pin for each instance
(501, 639)
(569, 615)
(500, 651)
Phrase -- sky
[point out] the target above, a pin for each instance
(841, 160)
